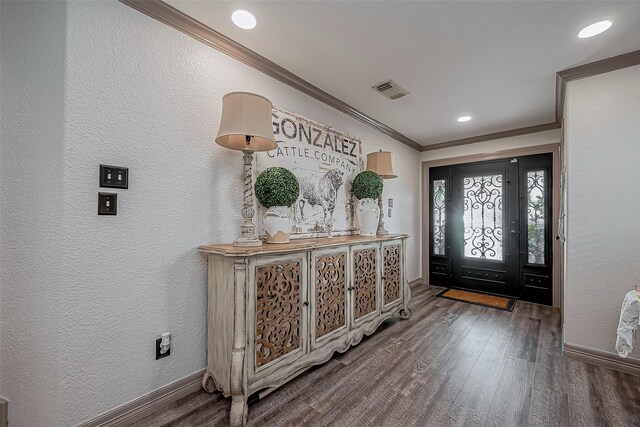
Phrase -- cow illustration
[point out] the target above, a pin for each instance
(322, 192)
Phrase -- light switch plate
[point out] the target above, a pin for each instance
(107, 204)
(114, 176)
(390, 203)
(389, 214)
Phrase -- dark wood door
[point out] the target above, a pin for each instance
(490, 227)
(484, 238)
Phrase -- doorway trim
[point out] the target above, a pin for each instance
(556, 253)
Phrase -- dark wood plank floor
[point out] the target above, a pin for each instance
(451, 364)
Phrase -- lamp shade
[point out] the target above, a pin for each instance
(381, 162)
(246, 114)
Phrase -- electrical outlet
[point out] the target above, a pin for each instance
(114, 176)
(163, 345)
(107, 204)
(389, 213)
(158, 354)
(390, 203)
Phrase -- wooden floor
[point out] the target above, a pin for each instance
(451, 364)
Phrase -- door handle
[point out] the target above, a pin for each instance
(513, 232)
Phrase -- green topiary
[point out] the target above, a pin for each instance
(367, 185)
(277, 187)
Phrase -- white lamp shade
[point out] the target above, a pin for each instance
(381, 162)
(246, 114)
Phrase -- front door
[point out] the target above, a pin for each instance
(490, 227)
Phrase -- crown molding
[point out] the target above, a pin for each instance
(491, 136)
(602, 66)
(173, 17)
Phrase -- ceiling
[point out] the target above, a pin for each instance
(494, 61)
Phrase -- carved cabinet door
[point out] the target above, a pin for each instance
(392, 278)
(364, 290)
(276, 312)
(329, 295)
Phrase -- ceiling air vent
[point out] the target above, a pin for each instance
(391, 89)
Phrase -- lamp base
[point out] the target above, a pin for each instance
(381, 230)
(248, 229)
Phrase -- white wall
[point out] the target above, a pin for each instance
(603, 241)
(539, 138)
(32, 294)
(140, 94)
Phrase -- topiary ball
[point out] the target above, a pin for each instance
(367, 185)
(277, 187)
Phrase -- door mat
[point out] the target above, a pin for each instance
(500, 303)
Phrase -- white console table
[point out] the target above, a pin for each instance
(276, 310)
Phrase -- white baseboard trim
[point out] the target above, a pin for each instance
(415, 281)
(602, 358)
(147, 404)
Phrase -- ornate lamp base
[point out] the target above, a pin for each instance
(381, 229)
(248, 229)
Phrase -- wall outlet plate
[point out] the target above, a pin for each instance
(158, 355)
(107, 204)
(390, 203)
(114, 176)
(389, 213)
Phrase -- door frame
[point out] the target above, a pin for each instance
(557, 255)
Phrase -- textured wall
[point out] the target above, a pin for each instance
(140, 94)
(603, 242)
(31, 195)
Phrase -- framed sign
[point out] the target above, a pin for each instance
(325, 161)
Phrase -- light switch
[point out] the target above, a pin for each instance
(114, 176)
(389, 215)
(107, 204)
(390, 203)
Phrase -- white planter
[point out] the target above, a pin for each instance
(278, 224)
(368, 214)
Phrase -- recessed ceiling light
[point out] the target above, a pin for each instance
(463, 119)
(243, 19)
(595, 29)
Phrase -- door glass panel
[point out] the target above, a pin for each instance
(535, 216)
(439, 213)
(483, 217)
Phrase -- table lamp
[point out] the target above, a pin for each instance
(246, 126)
(381, 162)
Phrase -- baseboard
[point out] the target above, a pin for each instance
(415, 281)
(147, 404)
(4, 413)
(602, 358)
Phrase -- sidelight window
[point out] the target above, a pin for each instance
(535, 217)
(439, 213)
